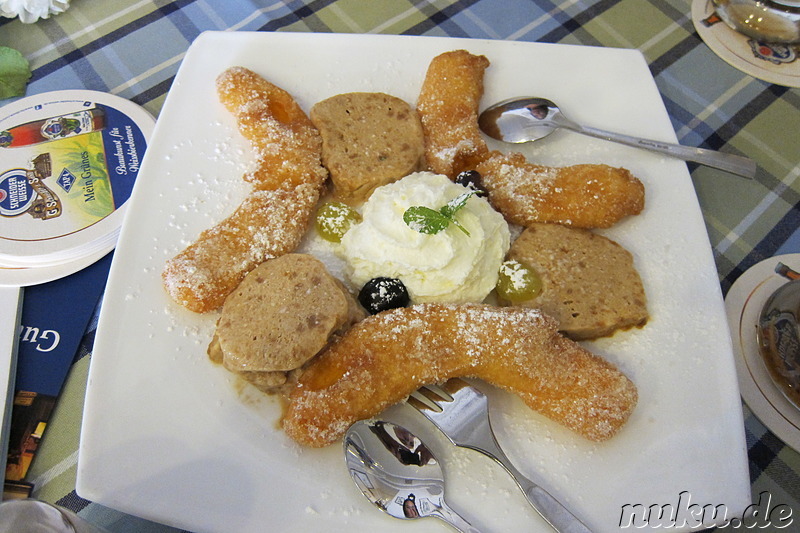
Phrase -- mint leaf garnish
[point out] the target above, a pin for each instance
(14, 73)
(455, 204)
(425, 220)
(429, 221)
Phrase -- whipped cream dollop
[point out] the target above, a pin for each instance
(449, 266)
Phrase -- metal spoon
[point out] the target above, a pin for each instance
(778, 335)
(528, 119)
(398, 473)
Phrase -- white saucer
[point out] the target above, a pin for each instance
(743, 304)
(76, 180)
(27, 276)
(773, 63)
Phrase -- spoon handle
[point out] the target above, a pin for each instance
(444, 512)
(741, 166)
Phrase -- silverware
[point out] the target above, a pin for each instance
(461, 412)
(528, 119)
(396, 472)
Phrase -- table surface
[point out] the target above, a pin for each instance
(133, 48)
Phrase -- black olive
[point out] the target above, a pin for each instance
(382, 294)
(471, 179)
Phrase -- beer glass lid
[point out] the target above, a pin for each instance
(68, 164)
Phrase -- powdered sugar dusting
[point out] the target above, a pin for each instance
(267, 224)
(584, 196)
(518, 349)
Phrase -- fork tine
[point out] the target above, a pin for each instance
(435, 394)
(436, 397)
(428, 399)
(420, 405)
(454, 385)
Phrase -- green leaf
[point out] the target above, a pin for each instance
(455, 204)
(14, 73)
(459, 226)
(425, 220)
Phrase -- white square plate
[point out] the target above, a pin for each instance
(171, 437)
(10, 310)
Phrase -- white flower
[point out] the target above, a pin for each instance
(32, 10)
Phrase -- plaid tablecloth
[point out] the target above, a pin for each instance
(133, 48)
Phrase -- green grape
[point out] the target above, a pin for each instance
(518, 282)
(334, 219)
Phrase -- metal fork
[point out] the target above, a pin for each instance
(462, 414)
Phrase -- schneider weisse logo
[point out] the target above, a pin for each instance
(24, 191)
(16, 194)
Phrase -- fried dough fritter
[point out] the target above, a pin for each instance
(581, 196)
(267, 224)
(287, 144)
(448, 108)
(585, 195)
(385, 357)
(273, 218)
